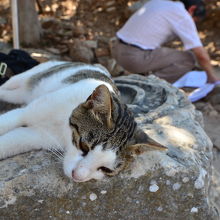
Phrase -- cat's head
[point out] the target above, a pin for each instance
(101, 130)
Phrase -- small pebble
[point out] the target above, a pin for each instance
(176, 186)
(168, 182)
(186, 179)
(160, 209)
(194, 210)
(103, 192)
(153, 188)
(93, 196)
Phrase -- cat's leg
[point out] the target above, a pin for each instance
(12, 119)
(19, 80)
(18, 95)
(13, 83)
(15, 89)
(24, 139)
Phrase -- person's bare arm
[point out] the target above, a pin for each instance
(204, 61)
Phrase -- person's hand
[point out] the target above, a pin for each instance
(205, 62)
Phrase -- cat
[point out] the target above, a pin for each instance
(73, 107)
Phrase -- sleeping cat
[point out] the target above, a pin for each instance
(73, 107)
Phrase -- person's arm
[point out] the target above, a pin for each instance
(204, 61)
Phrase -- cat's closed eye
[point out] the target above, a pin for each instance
(83, 147)
(105, 170)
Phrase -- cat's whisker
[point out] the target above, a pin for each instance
(57, 152)
(48, 154)
(57, 161)
(59, 155)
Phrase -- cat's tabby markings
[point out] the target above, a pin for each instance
(73, 107)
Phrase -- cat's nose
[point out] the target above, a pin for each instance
(80, 174)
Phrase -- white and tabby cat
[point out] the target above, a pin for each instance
(69, 106)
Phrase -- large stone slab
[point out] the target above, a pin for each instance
(157, 185)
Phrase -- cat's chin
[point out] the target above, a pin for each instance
(98, 175)
(79, 181)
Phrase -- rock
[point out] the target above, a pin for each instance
(200, 105)
(109, 3)
(207, 108)
(157, 185)
(42, 55)
(3, 21)
(91, 43)
(215, 99)
(53, 50)
(111, 65)
(103, 42)
(80, 52)
(110, 9)
(213, 129)
(214, 96)
(101, 52)
(50, 23)
(103, 61)
(215, 181)
(217, 107)
(78, 30)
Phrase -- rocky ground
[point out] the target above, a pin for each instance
(81, 30)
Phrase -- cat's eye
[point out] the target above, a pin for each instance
(105, 170)
(119, 165)
(83, 147)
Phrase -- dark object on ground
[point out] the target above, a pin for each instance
(17, 61)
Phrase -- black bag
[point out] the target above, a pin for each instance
(17, 61)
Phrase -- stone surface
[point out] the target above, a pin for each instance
(212, 128)
(157, 185)
(214, 96)
(80, 52)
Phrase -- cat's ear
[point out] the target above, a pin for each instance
(140, 148)
(100, 104)
(144, 143)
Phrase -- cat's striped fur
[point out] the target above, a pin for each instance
(70, 106)
(73, 107)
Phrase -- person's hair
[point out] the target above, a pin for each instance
(200, 10)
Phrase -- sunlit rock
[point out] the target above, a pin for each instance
(172, 184)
